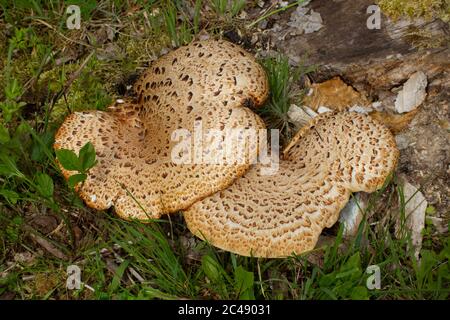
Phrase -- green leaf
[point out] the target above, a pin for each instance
(75, 179)
(22, 129)
(211, 268)
(354, 262)
(329, 294)
(244, 282)
(87, 157)
(44, 185)
(77, 202)
(115, 283)
(13, 89)
(41, 144)
(359, 293)
(430, 210)
(69, 160)
(348, 273)
(9, 108)
(8, 167)
(351, 269)
(327, 280)
(13, 229)
(4, 170)
(10, 196)
(4, 134)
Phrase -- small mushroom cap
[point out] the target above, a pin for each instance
(210, 83)
(279, 215)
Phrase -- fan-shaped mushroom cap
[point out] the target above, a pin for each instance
(282, 214)
(207, 82)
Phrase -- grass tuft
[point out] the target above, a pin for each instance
(285, 89)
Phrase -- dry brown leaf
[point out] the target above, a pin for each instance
(334, 94)
(45, 282)
(50, 247)
(395, 122)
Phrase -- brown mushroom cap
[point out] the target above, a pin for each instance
(209, 82)
(278, 215)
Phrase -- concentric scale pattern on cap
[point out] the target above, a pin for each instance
(282, 214)
(210, 83)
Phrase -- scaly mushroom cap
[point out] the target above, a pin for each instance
(208, 83)
(279, 215)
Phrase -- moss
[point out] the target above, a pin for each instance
(96, 87)
(46, 282)
(28, 55)
(135, 53)
(427, 9)
(86, 92)
(424, 39)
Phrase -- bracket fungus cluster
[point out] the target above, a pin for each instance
(207, 81)
(231, 205)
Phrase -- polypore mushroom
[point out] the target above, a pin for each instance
(279, 215)
(208, 83)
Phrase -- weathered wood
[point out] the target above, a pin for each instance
(371, 60)
(345, 38)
